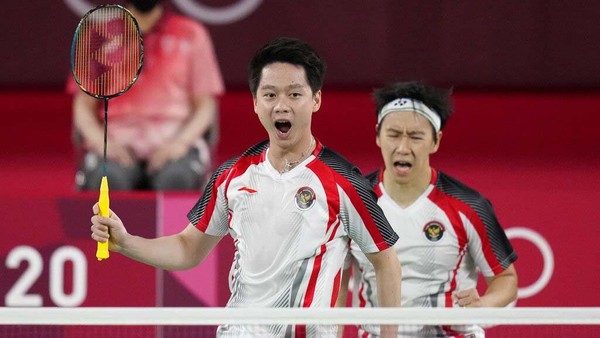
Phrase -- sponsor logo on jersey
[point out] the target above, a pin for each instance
(434, 231)
(305, 198)
(249, 190)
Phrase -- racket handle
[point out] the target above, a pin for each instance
(104, 205)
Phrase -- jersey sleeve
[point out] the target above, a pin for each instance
(211, 214)
(488, 244)
(361, 215)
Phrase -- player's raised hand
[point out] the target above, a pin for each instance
(109, 229)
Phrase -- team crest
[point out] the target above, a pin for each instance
(434, 231)
(305, 198)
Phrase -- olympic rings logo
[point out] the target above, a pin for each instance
(206, 14)
(547, 255)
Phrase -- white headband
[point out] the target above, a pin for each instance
(407, 104)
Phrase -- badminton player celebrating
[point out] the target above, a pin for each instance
(290, 203)
(449, 231)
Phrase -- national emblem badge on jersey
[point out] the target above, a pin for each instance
(434, 231)
(305, 198)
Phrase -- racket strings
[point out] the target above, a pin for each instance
(107, 52)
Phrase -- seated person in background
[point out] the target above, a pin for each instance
(448, 231)
(157, 131)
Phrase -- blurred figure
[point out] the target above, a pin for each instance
(448, 231)
(161, 131)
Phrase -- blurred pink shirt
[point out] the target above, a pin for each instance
(179, 66)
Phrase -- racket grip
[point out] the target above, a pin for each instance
(104, 205)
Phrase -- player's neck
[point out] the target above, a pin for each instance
(406, 193)
(285, 160)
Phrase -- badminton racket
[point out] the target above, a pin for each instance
(107, 54)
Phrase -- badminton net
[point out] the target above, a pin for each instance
(202, 322)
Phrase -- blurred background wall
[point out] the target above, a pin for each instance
(534, 44)
(526, 76)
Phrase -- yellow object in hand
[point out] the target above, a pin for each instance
(104, 205)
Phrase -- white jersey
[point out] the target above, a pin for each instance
(291, 231)
(446, 236)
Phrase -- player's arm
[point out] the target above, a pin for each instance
(388, 275)
(501, 290)
(175, 252)
(343, 294)
(342, 298)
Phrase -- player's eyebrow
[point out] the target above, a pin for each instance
(402, 131)
(292, 86)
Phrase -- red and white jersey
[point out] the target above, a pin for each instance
(291, 231)
(448, 235)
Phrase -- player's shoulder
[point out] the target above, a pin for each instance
(457, 189)
(338, 163)
(374, 177)
(250, 154)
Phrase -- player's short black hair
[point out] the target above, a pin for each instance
(437, 99)
(287, 50)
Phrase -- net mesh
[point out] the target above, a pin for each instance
(107, 52)
(202, 322)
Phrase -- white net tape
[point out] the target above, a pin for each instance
(333, 316)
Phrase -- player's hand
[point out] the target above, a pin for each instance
(109, 229)
(467, 298)
(170, 152)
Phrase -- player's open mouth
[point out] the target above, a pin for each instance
(283, 126)
(402, 165)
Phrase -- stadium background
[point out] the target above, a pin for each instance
(527, 92)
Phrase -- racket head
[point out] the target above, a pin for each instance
(107, 52)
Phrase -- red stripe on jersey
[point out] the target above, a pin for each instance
(336, 287)
(488, 252)
(202, 223)
(312, 282)
(333, 205)
(451, 333)
(473, 217)
(242, 164)
(443, 202)
(318, 147)
(434, 175)
(240, 167)
(300, 331)
(377, 187)
(323, 173)
(362, 210)
(362, 302)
